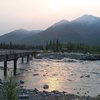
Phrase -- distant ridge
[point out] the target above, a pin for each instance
(18, 36)
(62, 22)
(84, 29)
(87, 19)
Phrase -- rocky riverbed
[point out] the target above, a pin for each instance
(28, 94)
(60, 55)
(35, 94)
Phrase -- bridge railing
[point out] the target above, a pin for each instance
(13, 51)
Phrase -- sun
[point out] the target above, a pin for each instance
(55, 4)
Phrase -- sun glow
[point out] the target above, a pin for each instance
(56, 4)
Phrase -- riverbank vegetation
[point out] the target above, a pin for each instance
(55, 46)
(10, 91)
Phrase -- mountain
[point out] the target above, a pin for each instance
(89, 28)
(60, 23)
(87, 19)
(18, 36)
(63, 32)
(84, 29)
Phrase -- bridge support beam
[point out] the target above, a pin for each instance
(15, 67)
(27, 58)
(5, 68)
(22, 59)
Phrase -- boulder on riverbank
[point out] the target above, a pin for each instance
(46, 86)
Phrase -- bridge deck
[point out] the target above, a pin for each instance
(12, 54)
(7, 55)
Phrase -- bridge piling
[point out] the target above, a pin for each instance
(22, 59)
(15, 67)
(5, 68)
(27, 58)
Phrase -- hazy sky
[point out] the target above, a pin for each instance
(39, 14)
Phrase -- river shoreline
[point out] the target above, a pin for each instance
(35, 94)
(71, 55)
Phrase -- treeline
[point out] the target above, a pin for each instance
(78, 47)
(71, 47)
(55, 46)
(21, 47)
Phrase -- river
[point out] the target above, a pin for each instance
(73, 76)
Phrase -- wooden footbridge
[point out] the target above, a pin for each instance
(8, 55)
